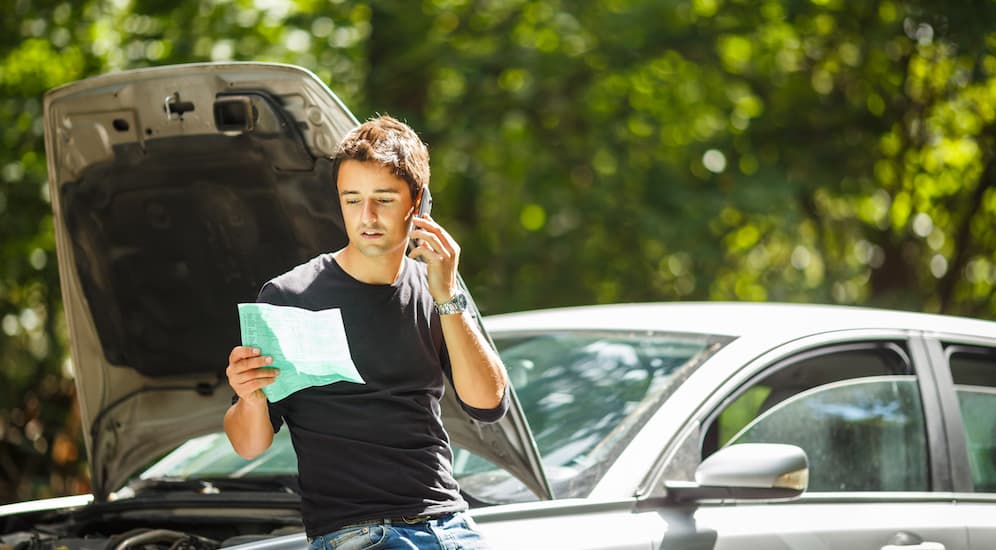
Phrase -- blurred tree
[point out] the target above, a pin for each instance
(42, 45)
(606, 150)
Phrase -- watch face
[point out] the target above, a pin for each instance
(461, 301)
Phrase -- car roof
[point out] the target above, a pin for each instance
(734, 319)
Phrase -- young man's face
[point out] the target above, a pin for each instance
(376, 207)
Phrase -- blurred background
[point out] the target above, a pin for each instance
(583, 151)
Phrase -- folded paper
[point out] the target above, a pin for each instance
(309, 347)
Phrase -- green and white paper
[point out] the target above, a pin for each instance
(309, 347)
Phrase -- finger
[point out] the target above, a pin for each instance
(252, 363)
(425, 254)
(258, 374)
(423, 224)
(435, 243)
(427, 224)
(425, 221)
(416, 256)
(257, 385)
(241, 352)
(450, 244)
(264, 382)
(254, 385)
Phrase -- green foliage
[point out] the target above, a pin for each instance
(611, 150)
(738, 414)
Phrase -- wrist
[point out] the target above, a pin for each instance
(253, 402)
(445, 292)
(444, 297)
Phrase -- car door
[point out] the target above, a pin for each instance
(967, 386)
(865, 409)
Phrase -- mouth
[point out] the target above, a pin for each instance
(370, 234)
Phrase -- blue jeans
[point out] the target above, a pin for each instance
(447, 532)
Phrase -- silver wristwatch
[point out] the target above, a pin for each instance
(456, 304)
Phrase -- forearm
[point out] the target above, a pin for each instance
(478, 373)
(248, 428)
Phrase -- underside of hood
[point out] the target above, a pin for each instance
(177, 192)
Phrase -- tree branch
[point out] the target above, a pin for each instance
(963, 237)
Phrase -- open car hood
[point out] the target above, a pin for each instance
(177, 192)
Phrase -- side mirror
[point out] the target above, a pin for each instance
(757, 471)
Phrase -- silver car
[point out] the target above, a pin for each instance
(631, 404)
(177, 191)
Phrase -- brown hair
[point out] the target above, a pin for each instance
(391, 143)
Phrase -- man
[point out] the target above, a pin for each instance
(374, 461)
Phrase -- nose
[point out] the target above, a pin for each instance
(369, 211)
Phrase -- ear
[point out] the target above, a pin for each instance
(413, 211)
(418, 202)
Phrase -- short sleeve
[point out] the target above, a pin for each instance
(271, 294)
(488, 416)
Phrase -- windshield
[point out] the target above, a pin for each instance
(584, 394)
(212, 456)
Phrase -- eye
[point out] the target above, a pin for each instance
(385, 201)
(352, 201)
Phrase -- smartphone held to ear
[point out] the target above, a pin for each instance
(424, 201)
(425, 204)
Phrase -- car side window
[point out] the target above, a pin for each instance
(973, 370)
(854, 409)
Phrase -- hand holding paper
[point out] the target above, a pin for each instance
(309, 347)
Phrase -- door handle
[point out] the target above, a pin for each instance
(921, 546)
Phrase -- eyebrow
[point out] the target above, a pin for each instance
(353, 192)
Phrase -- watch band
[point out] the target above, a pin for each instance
(456, 304)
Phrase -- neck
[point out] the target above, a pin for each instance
(373, 270)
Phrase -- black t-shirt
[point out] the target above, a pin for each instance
(373, 450)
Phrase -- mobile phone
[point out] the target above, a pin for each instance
(424, 207)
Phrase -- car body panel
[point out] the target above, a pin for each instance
(976, 511)
(815, 526)
(46, 504)
(591, 524)
(742, 526)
